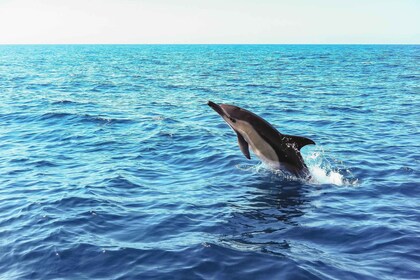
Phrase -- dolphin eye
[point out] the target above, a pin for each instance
(232, 120)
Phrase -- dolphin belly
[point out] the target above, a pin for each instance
(263, 150)
(259, 146)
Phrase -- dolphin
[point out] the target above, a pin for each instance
(279, 151)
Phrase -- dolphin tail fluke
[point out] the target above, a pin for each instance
(298, 141)
(243, 145)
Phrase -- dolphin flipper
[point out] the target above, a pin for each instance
(298, 141)
(243, 145)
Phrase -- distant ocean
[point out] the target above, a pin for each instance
(112, 166)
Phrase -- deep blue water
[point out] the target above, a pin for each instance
(113, 166)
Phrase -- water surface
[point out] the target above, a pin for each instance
(113, 166)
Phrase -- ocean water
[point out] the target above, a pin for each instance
(112, 166)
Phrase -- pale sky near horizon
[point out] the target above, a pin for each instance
(209, 21)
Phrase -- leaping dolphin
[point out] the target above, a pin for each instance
(279, 151)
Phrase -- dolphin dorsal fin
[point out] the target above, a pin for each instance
(298, 141)
(243, 145)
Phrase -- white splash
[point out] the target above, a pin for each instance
(322, 176)
(322, 170)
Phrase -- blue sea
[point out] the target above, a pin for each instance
(112, 166)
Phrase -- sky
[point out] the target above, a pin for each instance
(209, 22)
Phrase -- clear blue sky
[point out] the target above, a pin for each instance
(209, 21)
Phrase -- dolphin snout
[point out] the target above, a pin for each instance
(211, 104)
(216, 107)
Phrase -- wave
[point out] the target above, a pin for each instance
(56, 115)
(64, 101)
(104, 120)
(87, 118)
